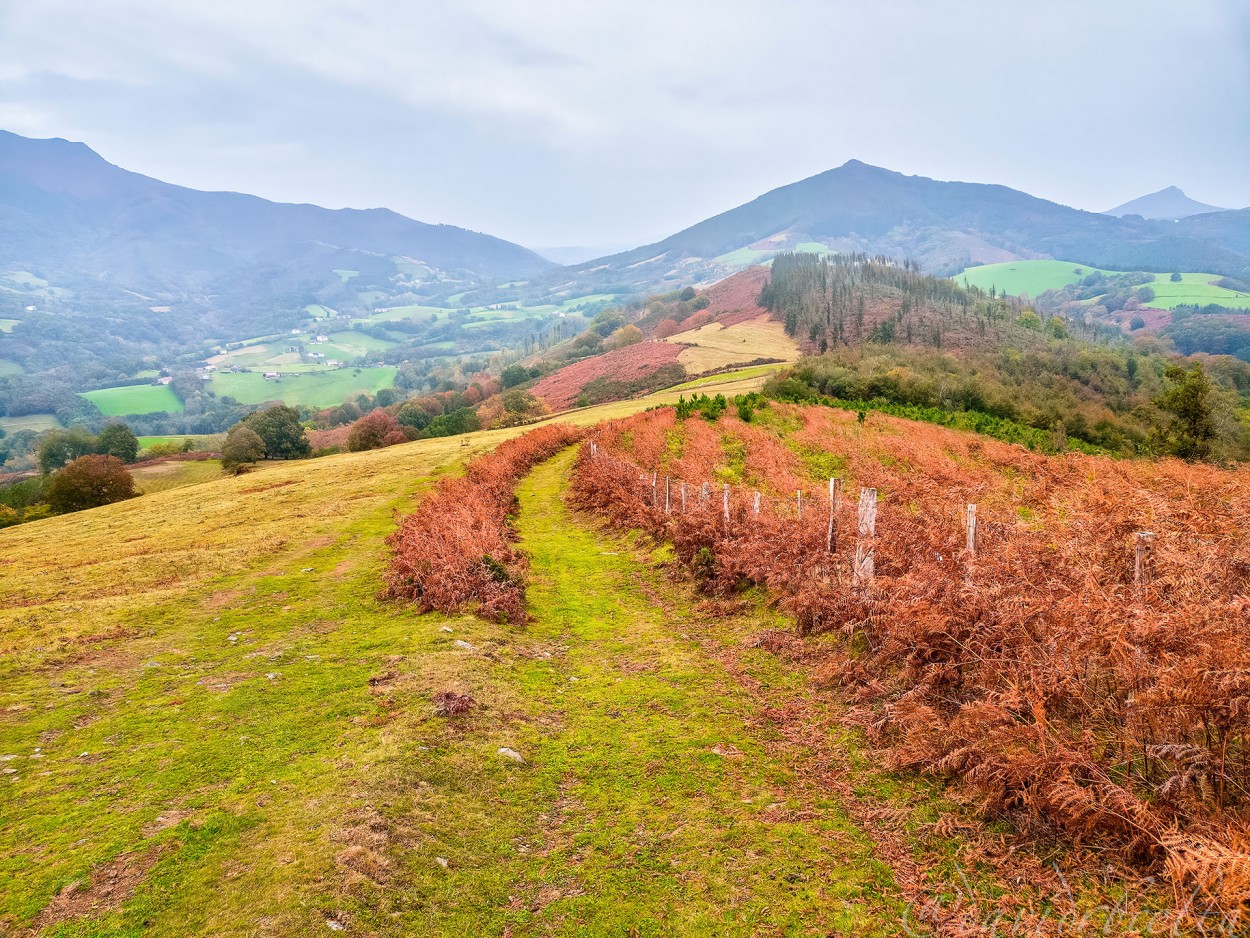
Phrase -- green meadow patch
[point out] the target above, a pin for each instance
(36, 422)
(136, 399)
(319, 389)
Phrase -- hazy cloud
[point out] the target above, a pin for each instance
(554, 122)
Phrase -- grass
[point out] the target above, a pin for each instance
(199, 441)
(1019, 277)
(743, 257)
(6, 325)
(136, 399)
(36, 422)
(10, 368)
(175, 474)
(718, 347)
(1016, 278)
(209, 687)
(324, 389)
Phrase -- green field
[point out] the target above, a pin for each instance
(396, 313)
(1197, 289)
(318, 312)
(6, 325)
(199, 441)
(36, 422)
(743, 257)
(324, 389)
(136, 399)
(346, 275)
(8, 368)
(1018, 278)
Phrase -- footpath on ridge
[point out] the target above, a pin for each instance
(674, 815)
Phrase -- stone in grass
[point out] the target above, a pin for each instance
(441, 861)
(511, 754)
(461, 643)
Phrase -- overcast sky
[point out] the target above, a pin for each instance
(618, 123)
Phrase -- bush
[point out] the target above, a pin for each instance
(88, 482)
(243, 447)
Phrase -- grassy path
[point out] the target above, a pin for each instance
(647, 803)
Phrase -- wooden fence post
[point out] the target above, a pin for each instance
(756, 506)
(867, 535)
(1143, 547)
(703, 493)
(799, 494)
(655, 494)
(667, 511)
(726, 504)
(831, 538)
(971, 523)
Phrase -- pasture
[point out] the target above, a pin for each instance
(315, 389)
(716, 346)
(6, 325)
(36, 422)
(199, 441)
(174, 474)
(9, 368)
(135, 399)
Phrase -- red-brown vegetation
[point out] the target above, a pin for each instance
(1053, 682)
(733, 300)
(633, 363)
(455, 551)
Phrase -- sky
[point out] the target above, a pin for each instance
(608, 123)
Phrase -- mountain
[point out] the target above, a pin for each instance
(77, 231)
(946, 226)
(1166, 204)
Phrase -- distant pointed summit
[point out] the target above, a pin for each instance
(1165, 204)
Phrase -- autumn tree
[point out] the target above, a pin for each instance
(243, 448)
(88, 482)
(374, 430)
(58, 448)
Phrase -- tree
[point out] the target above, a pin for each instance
(1175, 278)
(88, 482)
(1136, 323)
(118, 440)
(243, 448)
(58, 448)
(281, 431)
(463, 420)
(1188, 400)
(625, 335)
(514, 375)
(374, 430)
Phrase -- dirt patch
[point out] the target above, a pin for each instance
(111, 884)
(222, 599)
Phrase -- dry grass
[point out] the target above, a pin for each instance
(717, 346)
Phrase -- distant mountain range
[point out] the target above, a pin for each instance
(1166, 204)
(77, 231)
(944, 225)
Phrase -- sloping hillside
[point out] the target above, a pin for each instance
(154, 264)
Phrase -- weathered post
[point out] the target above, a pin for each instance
(755, 508)
(867, 535)
(683, 498)
(726, 503)
(703, 493)
(831, 537)
(799, 494)
(655, 494)
(667, 511)
(971, 531)
(1143, 548)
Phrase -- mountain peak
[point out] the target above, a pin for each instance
(1166, 204)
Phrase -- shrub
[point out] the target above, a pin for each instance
(455, 550)
(243, 447)
(88, 482)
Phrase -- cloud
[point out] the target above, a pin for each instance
(564, 122)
